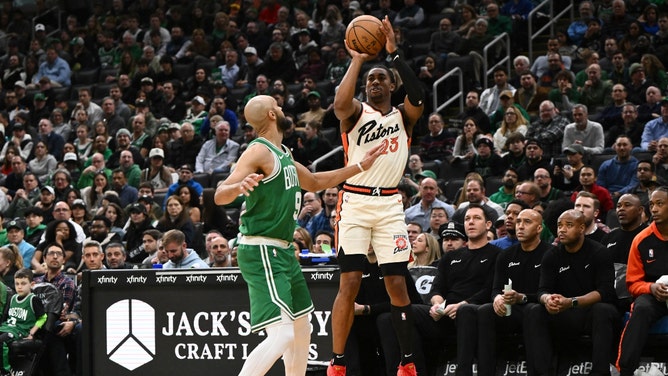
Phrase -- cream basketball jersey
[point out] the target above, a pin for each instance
(371, 129)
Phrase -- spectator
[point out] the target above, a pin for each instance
(438, 144)
(534, 153)
(585, 132)
(630, 127)
(548, 129)
(655, 129)
(595, 93)
(638, 84)
(486, 162)
(474, 190)
(409, 16)
(445, 40)
(127, 194)
(512, 122)
(498, 23)
(54, 68)
(180, 256)
(44, 163)
(651, 108)
(543, 180)
(218, 154)
(489, 99)
(421, 211)
(472, 109)
(588, 184)
(618, 174)
(647, 181)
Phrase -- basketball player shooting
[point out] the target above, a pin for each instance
(370, 205)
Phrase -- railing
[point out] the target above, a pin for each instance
(460, 93)
(552, 20)
(502, 38)
(315, 163)
(57, 14)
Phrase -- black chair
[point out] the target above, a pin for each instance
(492, 184)
(596, 160)
(217, 177)
(203, 178)
(452, 187)
(101, 91)
(106, 72)
(85, 77)
(184, 71)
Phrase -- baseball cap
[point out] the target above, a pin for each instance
(70, 157)
(145, 198)
(187, 166)
(147, 81)
(163, 128)
(14, 224)
(246, 126)
(78, 202)
(48, 188)
(137, 208)
(533, 141)
(452, 229)
(39, 97)
(199, 100)
(77, 41)
(40, 27)
(354, 5)
(506, 93)
(500, 221)
(426, 174)
(313, 93)
(635, 67)
(575, 148)
(250, 51)
(20, 84)
(664, 100)
(303, 31)
(176, 126)
(156, 152)
(123, 131)
(486, 141)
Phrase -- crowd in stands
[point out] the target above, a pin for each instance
(118, 126)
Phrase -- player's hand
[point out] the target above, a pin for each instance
(371, 155)
(359, 55)
(388, 30)
(659, 291)
(499, 305)
(249, 183)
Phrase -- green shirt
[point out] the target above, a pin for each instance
(272, 208)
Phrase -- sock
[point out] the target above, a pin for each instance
(402, 320)
(338, 359)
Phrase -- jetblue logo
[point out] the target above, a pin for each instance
(131, 333)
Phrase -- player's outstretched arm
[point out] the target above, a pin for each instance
(250, 169)
(327, 179)
(345, 103)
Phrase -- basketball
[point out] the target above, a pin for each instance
(365, 35)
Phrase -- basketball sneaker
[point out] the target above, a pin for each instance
(334, 370)
(407, 370)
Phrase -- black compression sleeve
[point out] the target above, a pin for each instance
(409, 79)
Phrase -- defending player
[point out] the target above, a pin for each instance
(272, 181)
(370, 205)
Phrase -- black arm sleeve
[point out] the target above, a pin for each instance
(411, 83)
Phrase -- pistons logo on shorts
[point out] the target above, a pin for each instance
(400, 243)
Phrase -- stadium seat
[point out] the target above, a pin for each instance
(85, 77)
(106, 72)
(203, 178)
(184, 71)
(451, 188)
(492, 184)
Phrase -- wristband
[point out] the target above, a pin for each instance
(366, 310)
(359, 165)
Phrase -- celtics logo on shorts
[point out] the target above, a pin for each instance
(400, 243)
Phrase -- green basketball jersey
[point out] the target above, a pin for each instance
(272, 208)
(21, 314)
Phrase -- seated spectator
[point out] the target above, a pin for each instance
(421, 211)
(655, 129)
(473, 44)
(54, 68)
(585, 132)
(472, 109)
(487, 162)
(548, 129)
(595, 93)
(438, 144)
(507, 100)
(648, 182)
(512, 122)
(630, 127)
(61, 232)
(445, 40)
(514, 158)
(637, 86)
(218, 154)
(506, 192)
(410, 16)
(611, 115)
(426, 250)
(489, 99)
(651, 109)
(191, 202)
(618, 174)
(588, 184)
(157, 173)
(654, 70)
(465, 143)
(313, 146)
(542, 64)
(176, 218)
(44, 164)
(619, 71)
(535, 159)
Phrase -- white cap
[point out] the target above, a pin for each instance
(70, 157)
(199, 100)
(250, 50)
(40, 27)
(156, 152)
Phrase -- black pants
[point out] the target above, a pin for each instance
(598, 320)
(489, 325)
(428, 339)
(645, 311)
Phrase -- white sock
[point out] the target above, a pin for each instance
(281, 341)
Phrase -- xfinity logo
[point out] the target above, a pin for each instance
(130, 333)
(227, 277)
(165, 279)
(134, 279)
(102, 280)
(195, 278)
(322, 276)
